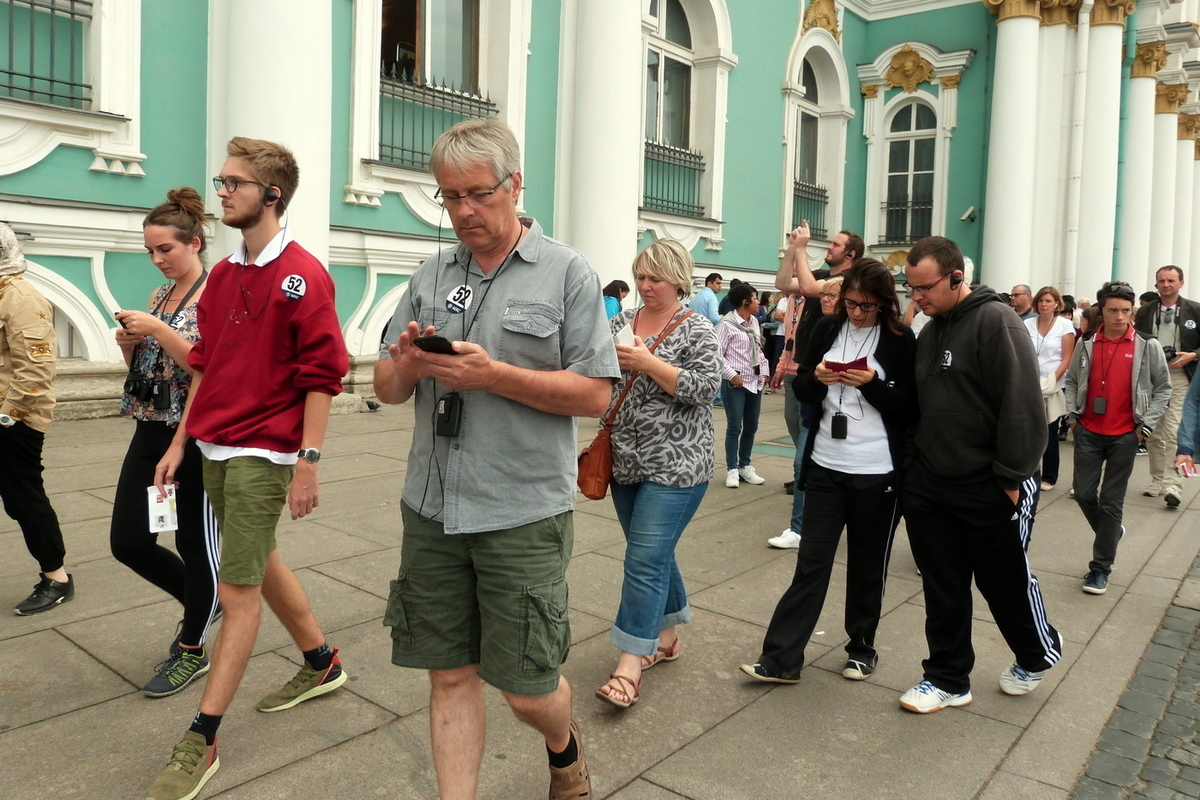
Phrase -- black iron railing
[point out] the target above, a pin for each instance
(672, 180)
(44, 40)
(809, 202)
(413, 115)
(906, 221)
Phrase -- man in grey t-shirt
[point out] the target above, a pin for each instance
(490, 485)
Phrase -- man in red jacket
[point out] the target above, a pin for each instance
(269, 361)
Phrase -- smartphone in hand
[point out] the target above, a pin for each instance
(434, 344)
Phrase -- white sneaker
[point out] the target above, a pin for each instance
(1017, 681)
(750, 476)
(925, 698)
(788, 540)
(731, 479)
(1153, 490)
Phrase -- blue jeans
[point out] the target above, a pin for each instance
(741, 423)
(653, 517)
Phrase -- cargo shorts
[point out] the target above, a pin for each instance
(496, 599)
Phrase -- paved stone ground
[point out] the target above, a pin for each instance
(1151, 747)
(73, 722)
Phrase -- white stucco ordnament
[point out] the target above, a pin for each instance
(835, 112)
(30, 131)
(877, 116)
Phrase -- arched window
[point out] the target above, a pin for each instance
(911, 146)
(672, 170)
(809, 197)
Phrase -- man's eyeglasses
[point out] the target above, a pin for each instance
(231, 184)
(475, 198)
(866, 308)
(927, 288)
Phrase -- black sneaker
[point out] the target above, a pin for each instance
(788, 487)
(856, 670)
(46, 595)
(1096, 582)
(761, 673)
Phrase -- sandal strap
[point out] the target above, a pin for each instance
(634, 686)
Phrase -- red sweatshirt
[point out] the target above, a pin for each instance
(268, 336)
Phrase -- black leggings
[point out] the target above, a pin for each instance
(191, 576)
(24, 495)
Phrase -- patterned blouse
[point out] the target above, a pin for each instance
(665, 439)
(153, 363)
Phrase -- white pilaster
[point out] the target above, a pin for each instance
(1162, 211)
(1101, 133)
(1053, 109)
(1195, 228)
(1138, 191)
(606, 163)
(1008, 213)
(271, 75)
(1181, 247)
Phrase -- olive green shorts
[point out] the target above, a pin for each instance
(496, 599)
(247, 495)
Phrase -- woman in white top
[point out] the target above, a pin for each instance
(1054, 340)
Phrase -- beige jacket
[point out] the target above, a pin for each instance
(28, 353)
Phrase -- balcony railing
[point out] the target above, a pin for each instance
(44, 40)
(906, 221)
(672, 180)
(809, 202)
(413, 115)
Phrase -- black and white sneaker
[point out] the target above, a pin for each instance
(1096, 582)
(761, 673)
(47, 594)
(856, 670)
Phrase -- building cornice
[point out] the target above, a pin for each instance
(871, 10)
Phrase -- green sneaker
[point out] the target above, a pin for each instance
(307, 684)
(176, 672)
(192, 764)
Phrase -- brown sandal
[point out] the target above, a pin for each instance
(664, 654)
(632, 692)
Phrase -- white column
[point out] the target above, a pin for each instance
(1138, 189)
(1195, 202)
(1162, 211)
(606, 137)
(271, 77)
(1181, 247)
(1101, 133)
(1054, 105)
(1012, 150)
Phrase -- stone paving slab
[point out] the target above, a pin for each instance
(701, 730)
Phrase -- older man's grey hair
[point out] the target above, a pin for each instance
(473, 142)
(12, 260)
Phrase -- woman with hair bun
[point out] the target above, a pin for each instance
(155, 345)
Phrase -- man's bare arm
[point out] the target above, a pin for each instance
(794, 274)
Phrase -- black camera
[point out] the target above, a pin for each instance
(156, 392)
(1170, 352)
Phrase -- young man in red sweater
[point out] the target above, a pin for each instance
(269, 361)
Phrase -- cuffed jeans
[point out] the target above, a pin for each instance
(653, 517)
(1103, 505)
(741, 423)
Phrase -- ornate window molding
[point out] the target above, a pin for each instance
(502, 70)
(712, 59)
(821, 50)
(937, 88)
(111, 128)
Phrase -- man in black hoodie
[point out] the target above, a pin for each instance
(970, 490)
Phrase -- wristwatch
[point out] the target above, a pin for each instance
(310, 454)
(6, 421)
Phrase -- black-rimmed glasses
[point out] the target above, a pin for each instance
(231, 184)
(475, 198)
(866, 308)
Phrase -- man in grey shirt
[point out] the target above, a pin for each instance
(490, 486)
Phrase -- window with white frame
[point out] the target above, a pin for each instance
(673, 171)
(70, 73)
(911, 145)
(809, 198)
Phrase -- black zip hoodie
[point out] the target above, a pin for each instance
(979, 394)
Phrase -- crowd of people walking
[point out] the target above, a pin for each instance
(500, 342)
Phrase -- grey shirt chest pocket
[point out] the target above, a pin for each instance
(530, 335)
(439, 319)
